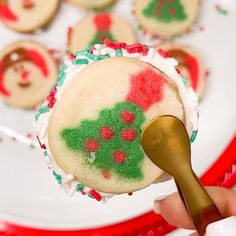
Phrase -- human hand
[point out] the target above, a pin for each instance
(174, 211)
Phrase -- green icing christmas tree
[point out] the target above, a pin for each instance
(113, 139)
(100, 36)
(165, 10)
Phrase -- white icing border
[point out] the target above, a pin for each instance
(165, 65)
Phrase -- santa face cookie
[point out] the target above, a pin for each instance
(190, 65)
(27, 72)
(95, 27)
(91, 4)
(27, 15)
(109, 93)
(166, 17)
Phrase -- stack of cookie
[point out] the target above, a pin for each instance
(109, 92)
(33, 69)
(27, 69)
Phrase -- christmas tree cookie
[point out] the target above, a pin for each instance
(95, 27)
(91, 4)
(190, 65)
(166, 18)
(90, 124)
(27, 72)
(27, 15)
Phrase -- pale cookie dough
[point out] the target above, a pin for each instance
(27, 15)
(27, 72)
(95, 27)
(166, 18)
(109, 93)
(91, 4)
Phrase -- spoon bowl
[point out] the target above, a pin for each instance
(161, 142)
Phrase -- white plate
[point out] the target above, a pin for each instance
(30, 196)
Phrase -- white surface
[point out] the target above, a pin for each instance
(222, 228)
(30, 196)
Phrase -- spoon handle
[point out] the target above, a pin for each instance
(199, 204)
(181, 195)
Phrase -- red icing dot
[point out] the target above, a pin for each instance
(119, 157)
(158, 11)
(127, 117)
(172, 11)
(106, 133)
(128, 134)
(91, 145)
(106, 174)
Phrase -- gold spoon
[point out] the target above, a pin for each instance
(166, 142)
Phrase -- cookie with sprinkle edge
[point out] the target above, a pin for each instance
(109, 93)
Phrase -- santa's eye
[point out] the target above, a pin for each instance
(16, 69)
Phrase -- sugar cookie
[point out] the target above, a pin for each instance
(190, 65)
(27, 72)
(27, 15)
(91, 4)
(166, 17)
(95, 27)
(108, 93)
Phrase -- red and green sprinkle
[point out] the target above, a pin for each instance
(58, 177)
(193, 136)
(79, 187)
